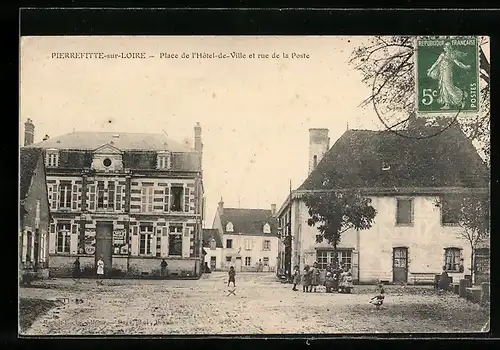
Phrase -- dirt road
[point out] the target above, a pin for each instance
(260, 305)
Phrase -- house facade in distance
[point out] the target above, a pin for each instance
(212, 247)
(130, 198)
(249, 238)
(34, 208)
(413, 184)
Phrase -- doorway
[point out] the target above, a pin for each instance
(213, 263)
(104, 244)
(400, 265)
(238, 264)
(36, 250)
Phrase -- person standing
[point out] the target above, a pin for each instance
(306, 279)
(76, 268)
(164, 266)
(100, 269)
(232, 277)
(296, 277)
(444, 280)
(314, 277)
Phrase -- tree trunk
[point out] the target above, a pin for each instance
(472, 267)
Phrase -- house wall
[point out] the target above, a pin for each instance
(37, 191)
(425, 239)
(83, 217)
(62, 265)
(372, 257)
(307, 247)
(255, 252)
(217, 253)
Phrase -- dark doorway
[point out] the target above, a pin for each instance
(482, 265)
(400, 265)
(104, 244)
(288, 261)
(213, 263)
(36, 249)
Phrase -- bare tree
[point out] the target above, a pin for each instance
(386, 65)
(474, 222)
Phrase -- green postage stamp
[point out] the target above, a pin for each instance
(447, 76)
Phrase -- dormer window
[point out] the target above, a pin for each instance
(267, 228)
(163, 160)
(213, 244)
(229, 227)
(52, 158)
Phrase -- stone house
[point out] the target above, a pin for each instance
(413, 184)
(34, 209)
(212, 247)
(249, 238)
(130, 198)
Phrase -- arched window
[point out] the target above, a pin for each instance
(229, 227)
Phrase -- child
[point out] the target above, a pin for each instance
(100, 270)
(306, 279)
(232, 274)
(378, 299)
(329, 282)
(296, 278)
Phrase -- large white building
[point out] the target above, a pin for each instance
(412, 184)
(249, 238)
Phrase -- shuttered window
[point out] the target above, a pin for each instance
(404, 215)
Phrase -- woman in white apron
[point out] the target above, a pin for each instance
(100, 268)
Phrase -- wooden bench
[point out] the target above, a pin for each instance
(424, 277)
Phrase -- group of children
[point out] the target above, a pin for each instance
(310, 281)
(337, 278)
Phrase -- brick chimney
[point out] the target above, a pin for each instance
(319, 143)
(273, 209)
(29, 132)
(221, 206)
(198, 146)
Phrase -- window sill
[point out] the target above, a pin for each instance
(405, 225)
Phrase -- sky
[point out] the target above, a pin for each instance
(255, 113)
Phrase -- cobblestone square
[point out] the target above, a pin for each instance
(260, 305)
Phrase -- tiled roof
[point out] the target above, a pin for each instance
(357, 158)
(86, 140)
(208, 234)
(79, 159)
(249, 221)
(28, 160)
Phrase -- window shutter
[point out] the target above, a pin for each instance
(134, 248)
(354, 264)
(186, 199)
(43, 250)
(52, 239)
(167, 199)
(186, 238)
(24, 246)
(73, 242)
(164, 242)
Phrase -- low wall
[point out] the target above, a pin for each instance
(62, 266)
